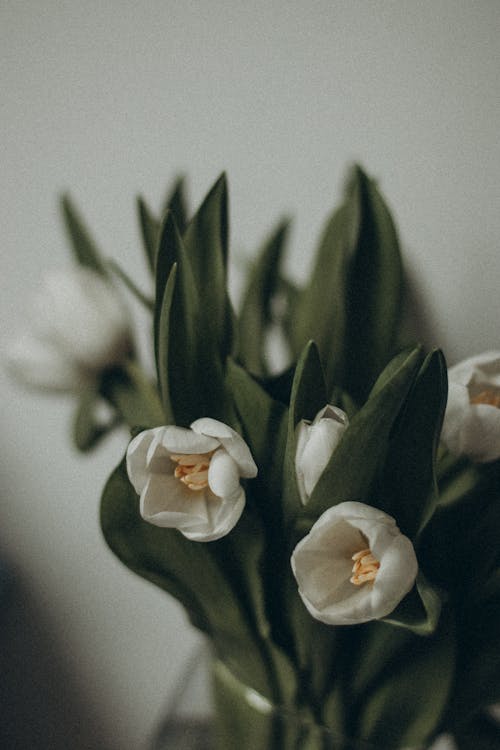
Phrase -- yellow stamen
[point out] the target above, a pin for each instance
(192, 469)
(488, 396)
(365, 567)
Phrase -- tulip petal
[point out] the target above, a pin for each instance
(315, 444)
(228, 515)
(231, 441)
(481, 369)
(223, 476)
(169, 503)
(184, 440)
(138, 465)
(39, 363)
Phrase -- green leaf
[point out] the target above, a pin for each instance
(84, 247)
(420, 610)
(131, 285)
(465, 530)
(291, 296)
(264, 423)
(478, 674)
(374, 294)
(351, 307)
(255, 313)
(150, 231)
(132, 394)
(190, 572)
(408, 484)
(176, 202)
(481, 733)
(373, 649)
(357, 460)
(308, 388)
(206, 244)
(87, 428)
(320, 311)
(190, 371)
(406, 705)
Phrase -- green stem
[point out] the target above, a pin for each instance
(133, 395)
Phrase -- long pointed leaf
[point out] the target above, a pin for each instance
(176, 202)
(84, 247)
(408, 484)
(355, 463)
(374, 290)
(190, 572)
(255, 313)
(206, 244)
(190, 370)
(150, 230)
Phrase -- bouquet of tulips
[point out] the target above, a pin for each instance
(332, 528)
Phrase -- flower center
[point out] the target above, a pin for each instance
(192, 469)
(365, 567)
(488, 396)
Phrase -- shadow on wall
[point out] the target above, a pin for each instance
(40, 704)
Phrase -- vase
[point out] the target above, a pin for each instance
(213, 710)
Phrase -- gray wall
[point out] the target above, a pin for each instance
(111, 98)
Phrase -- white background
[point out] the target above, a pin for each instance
(108, 99)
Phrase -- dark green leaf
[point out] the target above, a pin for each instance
(354, 466)
(263, 421)
(478, 675)
(405, 707)
(134, 397)
(206, 244)
(420, 609)
(351, 307)
(176, 202)
(150, 231)
(255, 314)
(84, 247)
(190, 371)
(373, 649)
(320, 310)
(481, 733)
(373, 310)
(290, 295)
(169, 250)
(190, 572)
(408, 484)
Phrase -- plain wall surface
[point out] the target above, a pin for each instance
(112, 99)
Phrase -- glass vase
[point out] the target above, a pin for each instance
(214, 710)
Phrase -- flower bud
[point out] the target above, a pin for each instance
(316, 442)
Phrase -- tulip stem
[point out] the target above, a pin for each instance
(133, 395)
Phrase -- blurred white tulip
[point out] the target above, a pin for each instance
(79, 328)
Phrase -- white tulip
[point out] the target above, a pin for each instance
(189, 479)
(316, 442)
(354, 565)
(80, 327)
(472, 419)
